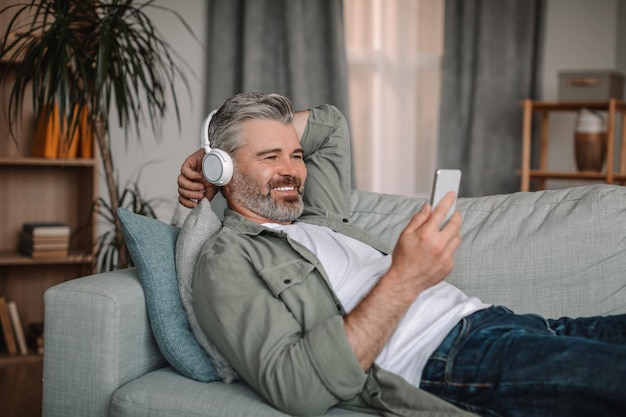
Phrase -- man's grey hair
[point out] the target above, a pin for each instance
(226, 127)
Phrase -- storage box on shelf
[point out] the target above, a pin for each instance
(591, 85)
(615, 110)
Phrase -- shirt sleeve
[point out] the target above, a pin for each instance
(326, 145)
(288, 343)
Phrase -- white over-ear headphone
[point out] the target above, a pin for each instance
(217, 165)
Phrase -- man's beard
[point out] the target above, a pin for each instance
(246, 191)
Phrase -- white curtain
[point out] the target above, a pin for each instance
(394, 50)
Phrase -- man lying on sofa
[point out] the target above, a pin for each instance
(313, 312)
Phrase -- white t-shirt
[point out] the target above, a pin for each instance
(354, 268)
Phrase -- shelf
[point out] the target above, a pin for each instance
(568, 106)
(8, 258)
(581, 175)
(6, 359)
(14, 58)
(611, 174)
(37, 189)
(34, 161)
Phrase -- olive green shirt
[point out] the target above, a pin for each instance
(266, 302)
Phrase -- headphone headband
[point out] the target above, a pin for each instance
(204, 132)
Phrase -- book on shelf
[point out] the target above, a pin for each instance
(30, 243)
(34, 337)
(46, 229)
(17, 328)
(43, 239)
(47, 239)
(43, 253)
(7, 327)
(3, 346)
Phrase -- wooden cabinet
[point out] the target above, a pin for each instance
(615, 110)
(40, 189)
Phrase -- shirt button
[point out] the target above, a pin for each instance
(287, 281)
(346, 220)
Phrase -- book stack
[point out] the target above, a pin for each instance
(40, 240)
(12, 331)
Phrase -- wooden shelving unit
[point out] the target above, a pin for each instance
(36, 189)
(542, 173)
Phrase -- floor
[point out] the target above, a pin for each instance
(21, 386)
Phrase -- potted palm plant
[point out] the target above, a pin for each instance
(96, 59)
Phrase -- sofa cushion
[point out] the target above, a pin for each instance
(164, 393)
(151, 244)
(200, 225)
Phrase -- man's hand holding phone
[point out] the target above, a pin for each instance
(423, 255)
(445, 181)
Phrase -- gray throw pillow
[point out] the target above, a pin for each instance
(200, 225)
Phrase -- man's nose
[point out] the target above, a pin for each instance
(287, 167)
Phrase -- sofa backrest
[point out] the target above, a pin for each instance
(556, 252)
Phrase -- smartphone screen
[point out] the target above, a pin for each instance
(445, 180)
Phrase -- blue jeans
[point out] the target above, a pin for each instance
(497, 363)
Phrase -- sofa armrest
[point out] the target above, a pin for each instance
(97, 338)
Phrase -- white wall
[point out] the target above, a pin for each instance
(162, 156)
(580, 34)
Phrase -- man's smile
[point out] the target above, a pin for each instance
(288, 185)
(284, 188)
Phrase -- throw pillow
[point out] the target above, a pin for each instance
(151, 244)
(200, 225)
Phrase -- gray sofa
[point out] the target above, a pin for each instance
(560, 252)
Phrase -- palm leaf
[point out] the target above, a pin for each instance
(107, 249)
(103, 57)
(96, 54)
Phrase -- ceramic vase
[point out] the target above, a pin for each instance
(590, 141)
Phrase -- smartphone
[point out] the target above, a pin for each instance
(445, 180)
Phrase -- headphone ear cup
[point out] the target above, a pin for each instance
(217, 167)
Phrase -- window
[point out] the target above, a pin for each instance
(394, 50)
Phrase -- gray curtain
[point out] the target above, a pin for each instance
(292, 47)
(490, 63)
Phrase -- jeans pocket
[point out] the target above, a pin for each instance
(439, 365)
